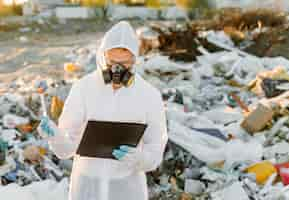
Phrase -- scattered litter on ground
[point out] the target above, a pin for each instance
(226, 106)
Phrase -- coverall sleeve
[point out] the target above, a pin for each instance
(155, 137)
(64, 143)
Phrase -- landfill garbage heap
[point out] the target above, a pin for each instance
(227, 114)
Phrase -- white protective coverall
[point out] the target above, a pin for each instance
(91, 99)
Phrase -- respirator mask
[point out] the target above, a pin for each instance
(118, 74)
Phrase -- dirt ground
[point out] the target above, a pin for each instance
(43, 48)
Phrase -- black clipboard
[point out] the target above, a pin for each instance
(100, 138)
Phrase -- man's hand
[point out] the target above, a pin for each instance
(47, 127)
(132, 156)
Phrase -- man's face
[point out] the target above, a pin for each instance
(119, 55)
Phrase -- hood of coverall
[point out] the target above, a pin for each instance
(121, 35)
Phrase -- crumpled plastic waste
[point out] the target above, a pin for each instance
(209, 156)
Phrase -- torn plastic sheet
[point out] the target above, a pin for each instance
(204, 147)
(239, 151)
(223, 115)
(210, 149)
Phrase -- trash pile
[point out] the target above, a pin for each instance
(227, 113)
(25, 158)
(259, 32)
(226, 136)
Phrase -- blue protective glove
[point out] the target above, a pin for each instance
(122, 151)
(131, 156)
(46, 128)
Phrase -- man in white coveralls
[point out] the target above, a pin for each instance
(129, 99)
